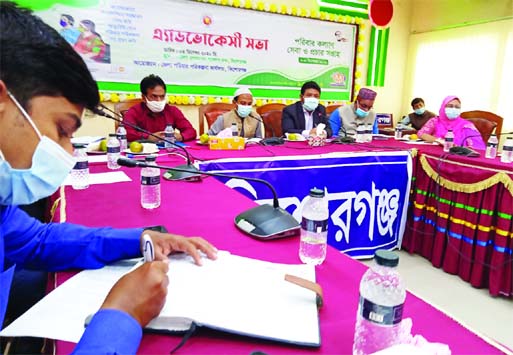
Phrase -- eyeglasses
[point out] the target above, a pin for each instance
(364, 106)
(153, 97)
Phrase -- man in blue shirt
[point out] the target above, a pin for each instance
(44, 88)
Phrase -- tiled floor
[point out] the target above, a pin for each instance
(474, 308)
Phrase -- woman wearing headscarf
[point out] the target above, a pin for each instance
(90, 43)
(465, 133)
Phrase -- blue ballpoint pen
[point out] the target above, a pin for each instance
(148, 249)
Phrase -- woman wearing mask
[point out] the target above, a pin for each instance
(90, 43)
(465, 133)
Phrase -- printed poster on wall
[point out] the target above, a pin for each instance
(191, 43)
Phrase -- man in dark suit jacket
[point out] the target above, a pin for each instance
(303, 116)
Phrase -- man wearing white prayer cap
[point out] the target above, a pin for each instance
(248, 121)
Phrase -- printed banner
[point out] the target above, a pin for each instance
(368, 192)
(192, 44)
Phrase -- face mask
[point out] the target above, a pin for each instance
(310, 103)
(452, 112)
(243, 110)
(51, 165)
(420, 111)
(156, 106)
(361, 113)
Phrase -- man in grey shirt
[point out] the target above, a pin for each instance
(345, 119)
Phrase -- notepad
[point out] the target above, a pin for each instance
(233, 294)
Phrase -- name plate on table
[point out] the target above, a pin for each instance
(229, 143)
(368, 192)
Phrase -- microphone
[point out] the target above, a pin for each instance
(468, 151)
(262, 222)
(191, 171)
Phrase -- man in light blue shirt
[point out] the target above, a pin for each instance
(44, 88)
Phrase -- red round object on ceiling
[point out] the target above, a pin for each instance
(381, 12)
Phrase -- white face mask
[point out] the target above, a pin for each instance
(452, 113)
(310, 103)
(156, 106)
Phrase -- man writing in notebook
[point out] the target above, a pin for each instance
(44, 88)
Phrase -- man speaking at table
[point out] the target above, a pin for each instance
(303, 116)
(346, 119)
(153, 114)
(44, 88)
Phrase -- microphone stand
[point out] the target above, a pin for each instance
(261, 222)
(190, 172)
(468, 151)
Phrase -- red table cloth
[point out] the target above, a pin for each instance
(207, 209)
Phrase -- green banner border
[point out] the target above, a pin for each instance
(356, 8)
(377, 59)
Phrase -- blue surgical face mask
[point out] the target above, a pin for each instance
(243, 110)
(359, 112)
(452, 112)
(310, 103)
(420, 111)
(51, 165)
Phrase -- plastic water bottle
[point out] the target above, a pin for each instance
(150, 185)
(113, 150)
(448, 140)
(169, 134)
(398, 132)
(121, 134)
(368, 132)
(491, 147)
(360, 134)
(80, 172)
(235, 130)
(507, 151)
(380, 310)
(314, 228)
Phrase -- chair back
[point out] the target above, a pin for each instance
(210, 112)
(272, 123)
(270, 107)
(122, 107)
(485, 122)
(330, 109)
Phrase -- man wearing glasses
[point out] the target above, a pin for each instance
(345, 119)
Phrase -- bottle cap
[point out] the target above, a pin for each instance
(79, 145)
(150, 158)
(386, 258)
(315, 192)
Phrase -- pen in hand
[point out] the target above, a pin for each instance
(149, 256)
(148, 249)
